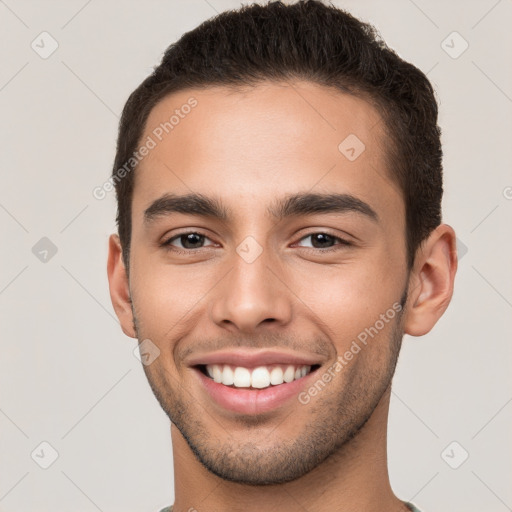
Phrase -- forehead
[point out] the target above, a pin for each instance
(250, 145)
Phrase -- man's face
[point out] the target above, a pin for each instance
(294, 290)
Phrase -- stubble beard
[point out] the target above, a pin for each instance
(335, 421)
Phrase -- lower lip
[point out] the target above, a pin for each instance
(252, 401)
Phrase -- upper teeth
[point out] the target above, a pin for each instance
(260, 377)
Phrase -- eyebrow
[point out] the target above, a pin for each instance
(299, 204)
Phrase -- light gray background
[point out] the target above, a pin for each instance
(68, 375)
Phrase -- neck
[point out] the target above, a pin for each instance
(353, 478)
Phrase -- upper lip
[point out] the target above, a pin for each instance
(252, 358)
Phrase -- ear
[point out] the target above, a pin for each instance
(431, 282)
(119, 287)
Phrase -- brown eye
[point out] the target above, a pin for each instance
(322, 240)
(190, 240)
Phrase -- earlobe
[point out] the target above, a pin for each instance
(431, 284)
(119, 286)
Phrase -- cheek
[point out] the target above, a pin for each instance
(164, 298)
(350, 299)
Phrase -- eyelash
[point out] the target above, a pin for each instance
(342, 242)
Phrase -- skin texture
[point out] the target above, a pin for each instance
(249, 148)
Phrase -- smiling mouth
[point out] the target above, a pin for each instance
(260, 377)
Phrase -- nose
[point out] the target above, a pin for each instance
(251, 297)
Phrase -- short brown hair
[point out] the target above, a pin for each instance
(311, 41)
